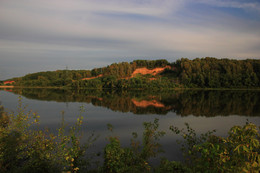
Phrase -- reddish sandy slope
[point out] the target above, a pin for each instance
(145, 71)
(142, 71)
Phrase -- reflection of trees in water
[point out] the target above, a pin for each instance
(189, 102)
(213, 103)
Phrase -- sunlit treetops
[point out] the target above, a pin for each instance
(197, 73)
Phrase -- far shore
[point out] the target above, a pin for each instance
(169, 89)
(6, 86)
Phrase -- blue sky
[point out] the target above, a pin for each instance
(42, 35)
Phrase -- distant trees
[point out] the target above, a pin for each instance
(138, 82)
(52, 78)
(112, 75)
(198, 73)
(216, 73)
(150, 64)
(119, 70)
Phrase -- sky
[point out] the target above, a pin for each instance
(46, 35)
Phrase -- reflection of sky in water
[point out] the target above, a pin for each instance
(96, 119)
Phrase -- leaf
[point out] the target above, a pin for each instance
(237, 149)
(245, 148)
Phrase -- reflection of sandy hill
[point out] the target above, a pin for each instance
(6, 86)
(146, 103)
(145, 71)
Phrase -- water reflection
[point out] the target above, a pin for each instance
(208, 103)
(121, 108)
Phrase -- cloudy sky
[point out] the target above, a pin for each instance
(42, 35)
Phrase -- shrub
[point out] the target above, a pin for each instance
(25, 150)
(239, 152)
(134, 158)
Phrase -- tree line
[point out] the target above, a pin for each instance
(198, 73)
(218, 73)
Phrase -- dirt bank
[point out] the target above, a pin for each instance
(145, 71)
(6, 86)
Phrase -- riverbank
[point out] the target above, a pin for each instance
(6, 86)
(131, 89)
(37, 87)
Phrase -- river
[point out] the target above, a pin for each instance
(127, 111)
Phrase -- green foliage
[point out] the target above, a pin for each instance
(150, 64)
(218, 73)
(113, 77)
(118, 159)
(172, 166)
(4, 119)
(239, 152)
(198, 73)
(135, 83)
(25, 150)
(134, 158)
(191, 139)
(117, 76)
(59, 78)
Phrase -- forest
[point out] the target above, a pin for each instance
(184, 73)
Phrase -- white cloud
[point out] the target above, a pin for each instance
(132, 28)
(65, 23)
(247, 5)
(142, 7)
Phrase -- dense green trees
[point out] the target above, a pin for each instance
(197, 73)
(52, 78)
(149, 64)
(218, 73)
(73, 78)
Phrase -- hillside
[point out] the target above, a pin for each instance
(138, 71)
(156, 74)
(145, 71)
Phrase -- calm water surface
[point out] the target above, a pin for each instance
(126, 111)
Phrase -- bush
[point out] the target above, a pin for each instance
(135, 158)
(26, 150)
(239, 152)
